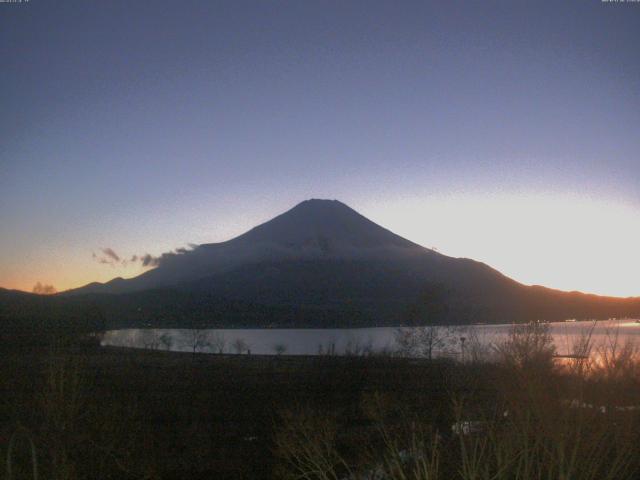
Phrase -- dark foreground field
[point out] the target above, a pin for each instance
(118, 412)
(90, 412)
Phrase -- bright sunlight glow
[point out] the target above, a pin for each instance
(567, 242)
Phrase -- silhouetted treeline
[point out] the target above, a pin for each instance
(329, 306)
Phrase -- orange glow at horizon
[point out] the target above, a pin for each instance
(567, 242)
(68, 278)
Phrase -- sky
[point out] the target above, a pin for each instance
(503, 131)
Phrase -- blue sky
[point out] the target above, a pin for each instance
(145, 126)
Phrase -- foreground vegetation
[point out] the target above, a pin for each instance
(72, 410)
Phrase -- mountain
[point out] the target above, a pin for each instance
(323, 264)
(326, 230)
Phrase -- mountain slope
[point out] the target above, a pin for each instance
(323, 264)
(314, 229)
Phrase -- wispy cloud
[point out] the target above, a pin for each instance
(111, 254)
(108, 256)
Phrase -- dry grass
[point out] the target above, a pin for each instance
(84, 413)
(542, 425)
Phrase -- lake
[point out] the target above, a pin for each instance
(357, 340)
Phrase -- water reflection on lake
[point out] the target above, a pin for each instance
(354, 340)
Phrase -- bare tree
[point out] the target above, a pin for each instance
(528, 346)
(197, 339)
(617, 359)
(239, 345)
(279, 348)
(218, 342)
(166, 340)
(476, 349)
(426, 341)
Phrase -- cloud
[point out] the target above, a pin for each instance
(111, 254)
(41, 289)
(149, 260)
(110, 257)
